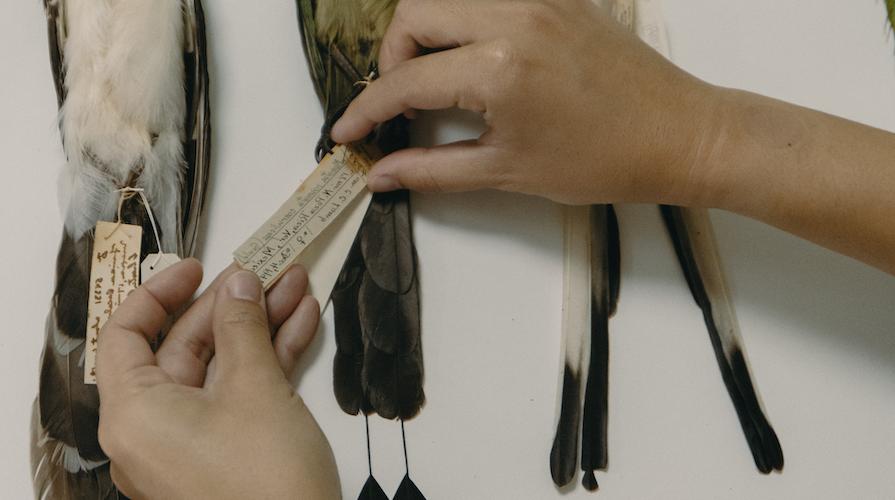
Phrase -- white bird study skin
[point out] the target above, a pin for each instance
(131, 82)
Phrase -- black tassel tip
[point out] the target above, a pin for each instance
(372, 491)
(408, 491)
(589, 481)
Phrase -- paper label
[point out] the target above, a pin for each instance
(338, 179)
(155, 263)
(114, 274)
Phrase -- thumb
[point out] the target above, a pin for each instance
(242, 342)
(459, 166)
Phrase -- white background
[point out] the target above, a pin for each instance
(817, 326)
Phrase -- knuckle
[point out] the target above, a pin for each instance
(243, 318)
(506, 67)
(426, 180)
(502, 53)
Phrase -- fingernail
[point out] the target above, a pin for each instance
(244, 285)
(383, 182)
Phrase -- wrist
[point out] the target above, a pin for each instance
(703, 125)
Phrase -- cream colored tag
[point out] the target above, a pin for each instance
(330, 188)
(114, 274)
(155, 263)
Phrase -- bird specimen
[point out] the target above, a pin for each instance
(131, 82)
(591, 270)
(378, 366)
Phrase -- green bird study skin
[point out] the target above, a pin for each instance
(148, 129)
(378, 367)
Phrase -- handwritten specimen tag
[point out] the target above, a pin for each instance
(114, 274)
(155, 263)
(338, 179)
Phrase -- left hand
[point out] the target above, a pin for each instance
(211, 414)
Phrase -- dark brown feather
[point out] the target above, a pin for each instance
(349, 360)
(376, 299)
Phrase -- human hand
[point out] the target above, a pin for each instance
(578, 110)
(211, 414)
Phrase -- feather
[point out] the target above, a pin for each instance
(605, 277)
(388, 309)
(378, 365)
(890, 13)
(591, 270)
(591, 277)
(129, 111)
(123, 109)
(694, 243)
(349, 360)
(197, 129)
(575, 344)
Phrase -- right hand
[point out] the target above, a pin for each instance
(211, 414)
(578, 110)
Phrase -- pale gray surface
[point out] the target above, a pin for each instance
(818, 327)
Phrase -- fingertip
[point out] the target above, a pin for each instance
(338, 133)
(188, 270)
(244, 285)
(297, 333)
(286, 294)
(313, 306)
(349, 128)
(383, 182)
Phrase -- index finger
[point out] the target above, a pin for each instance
(124, 341)
(433, 24)
(434, 81)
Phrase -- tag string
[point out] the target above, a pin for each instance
(126, 194)
(369, 453)
(404, 442)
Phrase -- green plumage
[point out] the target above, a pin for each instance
(890, 11)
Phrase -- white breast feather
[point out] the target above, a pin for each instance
(124, 109)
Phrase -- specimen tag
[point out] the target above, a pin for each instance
(155, 263)
(114, 274)
(338, 179)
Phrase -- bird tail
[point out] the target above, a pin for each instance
(591, 276)
(694, 243)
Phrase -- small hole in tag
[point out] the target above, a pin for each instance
(155, 263)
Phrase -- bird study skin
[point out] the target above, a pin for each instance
(131, 81)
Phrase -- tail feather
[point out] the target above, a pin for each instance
(349, 359)
(575, 343)
(693, 238)
(605, 272)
